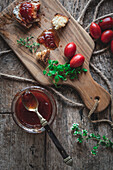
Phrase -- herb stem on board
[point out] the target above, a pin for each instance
(28, 43)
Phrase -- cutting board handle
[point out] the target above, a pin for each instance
(90, 90)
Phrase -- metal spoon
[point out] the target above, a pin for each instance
(27, 97)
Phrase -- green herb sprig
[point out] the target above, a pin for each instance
(28, 43)
(83, 135)
(59, 72)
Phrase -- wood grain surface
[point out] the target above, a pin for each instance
(22, 151)
(11, 31)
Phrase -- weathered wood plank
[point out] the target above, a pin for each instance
(19, 150)
(22, 151)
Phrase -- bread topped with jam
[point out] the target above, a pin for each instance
(27, 12)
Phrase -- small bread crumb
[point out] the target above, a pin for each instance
(59, 21)
(43, 56)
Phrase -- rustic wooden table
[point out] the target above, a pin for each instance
(23, 151)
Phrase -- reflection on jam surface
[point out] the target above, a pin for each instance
(29, 101)
(30, 119)
(27, 11)
(49, 38)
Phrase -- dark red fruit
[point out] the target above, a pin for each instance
(77, 61)
(106, 23)
(107, 36)
(95, 30)
(70, 50)
(112, 46)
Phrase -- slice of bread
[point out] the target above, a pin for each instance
(18, 17)
(43, 56)
(59, 21)
(22, 23)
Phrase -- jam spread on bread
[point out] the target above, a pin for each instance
(27, 12)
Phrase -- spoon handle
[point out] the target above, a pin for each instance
(67, 159)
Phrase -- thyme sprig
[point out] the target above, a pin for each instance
(29, 43)
(59, 72)
(83, 135)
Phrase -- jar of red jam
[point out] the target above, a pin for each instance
(28, 120)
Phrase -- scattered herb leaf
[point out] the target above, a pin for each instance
(84, 69)
(61, 71)
(28, 43)
(83, 135)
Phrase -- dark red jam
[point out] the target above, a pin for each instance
(30, 119)
(27, 12)
(49, 38)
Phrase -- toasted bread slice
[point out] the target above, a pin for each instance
(43, 56)
(18, 17)
(59, 21)
(22, 23)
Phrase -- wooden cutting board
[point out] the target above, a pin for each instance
(10, 30)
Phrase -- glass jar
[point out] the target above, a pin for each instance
(29, 121)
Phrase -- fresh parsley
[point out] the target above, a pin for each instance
(83, 135)
(59, 72)
(28, 43)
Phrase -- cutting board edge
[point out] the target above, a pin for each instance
(93, 44)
